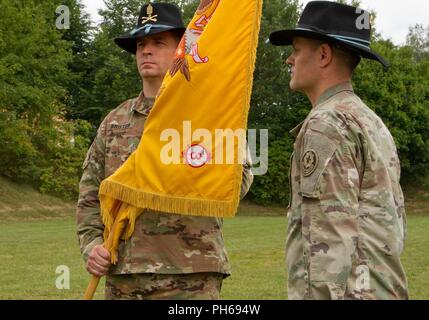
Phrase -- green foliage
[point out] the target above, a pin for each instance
(61, 174)
(273, 106)
(79, 36)
(273, 187)
(33, 62)
(34, 72)
(400, 96)
(418, 40)
(18, 154)
(33, 65)
(57, 85)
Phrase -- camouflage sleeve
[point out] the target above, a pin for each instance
(89, 224)
(247, 179)
(330, 183)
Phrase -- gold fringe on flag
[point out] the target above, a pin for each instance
(210, 85)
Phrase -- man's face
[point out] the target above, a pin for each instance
(155, 54)
(303, 64)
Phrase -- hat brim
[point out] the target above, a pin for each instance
(285, 38)
(128, 42)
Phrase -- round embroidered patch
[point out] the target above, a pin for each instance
(309, 162)
(196, 156)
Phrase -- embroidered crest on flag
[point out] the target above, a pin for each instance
(196, 156)
(188, 45)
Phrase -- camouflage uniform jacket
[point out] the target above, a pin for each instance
(162, 243)
(346, 219)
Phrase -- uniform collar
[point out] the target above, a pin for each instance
(295, 131)
(143, 105)
(346, 86)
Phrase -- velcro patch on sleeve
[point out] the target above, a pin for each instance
(318, 151)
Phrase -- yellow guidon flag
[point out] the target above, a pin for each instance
(189, 160)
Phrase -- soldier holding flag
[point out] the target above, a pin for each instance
(168, 256)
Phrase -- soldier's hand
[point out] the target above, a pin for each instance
(99, 261)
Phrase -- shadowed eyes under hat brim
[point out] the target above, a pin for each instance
(285, 38)
(129, 43)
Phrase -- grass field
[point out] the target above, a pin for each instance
(31, 251)
(37, 235)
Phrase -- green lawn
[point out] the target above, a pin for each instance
(30, 252)
(20, 202)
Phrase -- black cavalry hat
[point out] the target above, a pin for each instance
(334, 23)
(154, 18)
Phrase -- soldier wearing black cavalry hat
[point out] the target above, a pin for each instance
(168, 256)
(346, 219)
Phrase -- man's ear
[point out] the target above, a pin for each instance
(326, 55)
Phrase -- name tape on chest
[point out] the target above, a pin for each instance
(120, 126)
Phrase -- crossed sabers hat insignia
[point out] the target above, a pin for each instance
(150, 17)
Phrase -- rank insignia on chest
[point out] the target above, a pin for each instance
(309, 162)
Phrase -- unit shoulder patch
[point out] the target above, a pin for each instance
(309, 162)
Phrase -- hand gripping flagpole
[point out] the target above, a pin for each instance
(117, 229)
(128, 191)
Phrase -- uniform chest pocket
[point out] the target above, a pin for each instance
(317, 153)
(120, 144)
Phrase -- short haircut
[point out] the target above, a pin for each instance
(347, 56)
(178, 33)
(350, 59)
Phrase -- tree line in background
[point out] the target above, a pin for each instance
(56, 86)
